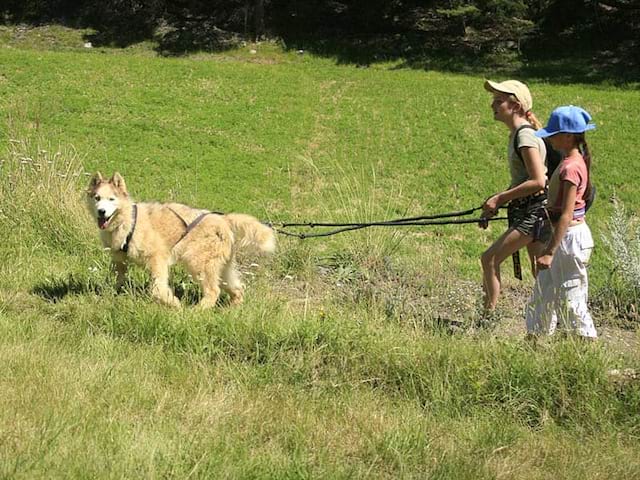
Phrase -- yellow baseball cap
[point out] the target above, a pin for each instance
(512, 87)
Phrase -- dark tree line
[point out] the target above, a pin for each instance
(407, 28)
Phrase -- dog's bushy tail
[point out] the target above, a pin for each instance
(250, 234)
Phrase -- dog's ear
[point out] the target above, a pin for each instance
(96, 180)
(118, 182)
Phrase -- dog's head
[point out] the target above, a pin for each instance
(106, 198)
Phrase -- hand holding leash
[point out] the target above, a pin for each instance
(490, 206)
(489, 209)
(543, 262)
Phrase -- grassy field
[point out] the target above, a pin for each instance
(336, 366)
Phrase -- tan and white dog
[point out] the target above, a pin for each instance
(157, 235)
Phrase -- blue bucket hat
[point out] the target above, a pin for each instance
(569, 119)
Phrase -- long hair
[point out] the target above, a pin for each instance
(533, 120)
(586, 154)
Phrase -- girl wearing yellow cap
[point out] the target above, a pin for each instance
(561, 290)
(526, 193)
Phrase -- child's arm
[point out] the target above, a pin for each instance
(560, 228)
(535, 183)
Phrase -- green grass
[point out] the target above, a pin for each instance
(336, 366)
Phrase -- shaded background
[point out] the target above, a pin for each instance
(600, 37)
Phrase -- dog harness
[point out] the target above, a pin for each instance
(134, 214)
(190, 226)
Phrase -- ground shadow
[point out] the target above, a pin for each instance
(55, 289)
(616, 65)
(115, 38)
(176, 39)
(620, 66)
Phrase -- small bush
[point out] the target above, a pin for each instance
(623, 241)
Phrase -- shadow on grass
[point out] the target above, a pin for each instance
(587, 68)
(115, 38)
(170, 41)
(615, 65)
(55, 289)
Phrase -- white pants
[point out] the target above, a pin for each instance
(560, 293)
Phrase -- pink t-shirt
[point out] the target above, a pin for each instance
(572, 169)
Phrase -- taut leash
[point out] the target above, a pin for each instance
(437, 219)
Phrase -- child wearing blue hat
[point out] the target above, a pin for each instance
(561, 289)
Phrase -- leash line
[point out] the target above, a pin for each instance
(304, 236)
(397, 221)
(423, 220)
(436, 219)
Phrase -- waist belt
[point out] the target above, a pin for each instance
(578, 214)
(529, 199)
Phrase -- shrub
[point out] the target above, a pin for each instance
(622, 238)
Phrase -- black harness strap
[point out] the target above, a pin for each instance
(186, 225)
(134, 214)
(190, 226)
(194, 224)
(515, 256)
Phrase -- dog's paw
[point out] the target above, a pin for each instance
(169, 301)
(206, 303)
(235, 300)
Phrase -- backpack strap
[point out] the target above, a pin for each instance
(515, 256)
(516, 145)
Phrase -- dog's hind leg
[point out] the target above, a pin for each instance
(231, 283)
(210, 280)
(160, 276)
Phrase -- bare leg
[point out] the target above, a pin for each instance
(508, 243)
(160, 277)
(535, 249)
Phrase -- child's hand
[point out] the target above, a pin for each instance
(490, 207)
(543, 262)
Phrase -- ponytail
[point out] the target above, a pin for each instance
(533, 120)
(586, 154)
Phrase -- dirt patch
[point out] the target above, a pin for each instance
(417, 300)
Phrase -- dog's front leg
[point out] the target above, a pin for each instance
(160, 277)
(120, 267)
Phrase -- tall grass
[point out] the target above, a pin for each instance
(623, 239)
(42, 216)
(622, 293)
(40, 189)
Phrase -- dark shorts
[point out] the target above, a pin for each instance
(529, 217)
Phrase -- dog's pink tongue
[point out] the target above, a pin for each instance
(102, 223)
